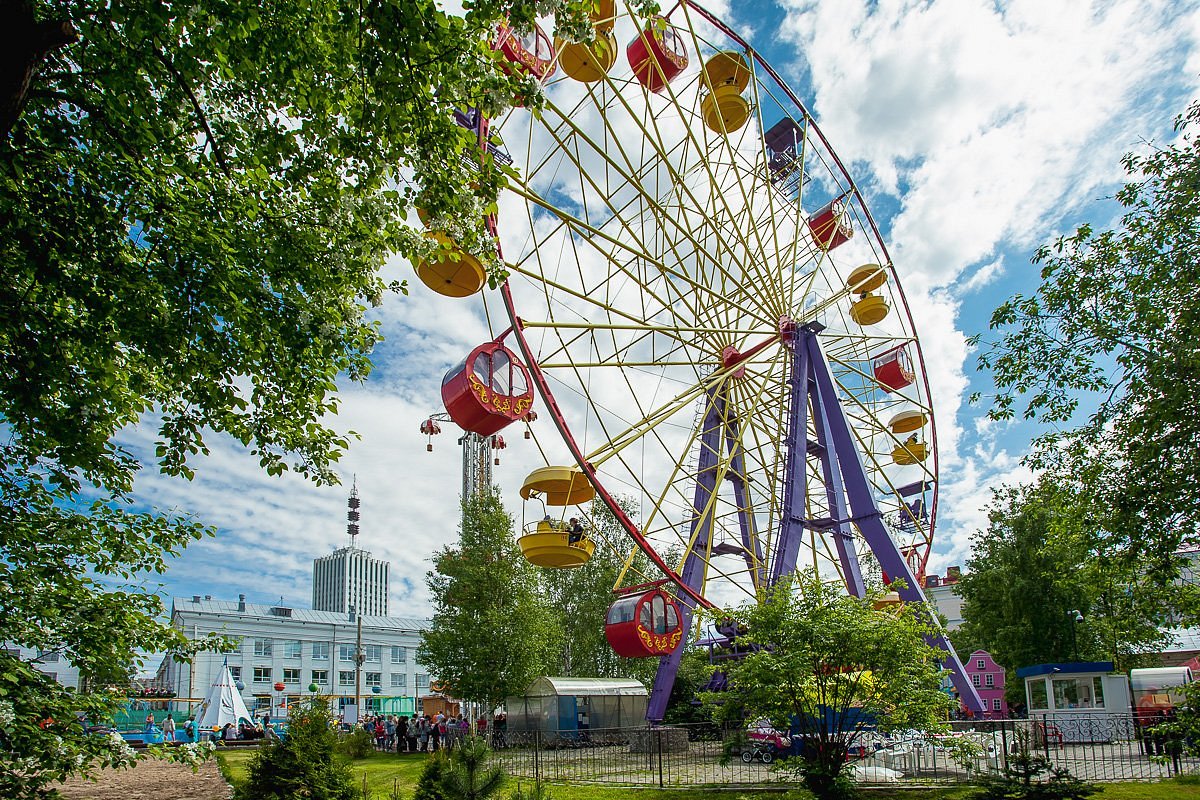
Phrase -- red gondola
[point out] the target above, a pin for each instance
(893, 369)
(657, 55)
(487, 390)
(642, 625)
(532, 53)
(831, 226)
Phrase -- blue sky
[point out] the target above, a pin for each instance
(977, 131)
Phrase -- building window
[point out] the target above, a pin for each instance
(346, 677)
(989, 680)
(980, 664)
(262, 702)
(399, 655)
(262, 674)
(346, 652)
(975, 679)
(292, 649)
(373, 652)
(236, 672)
(320, 651)
(51, 675)
(422, 681)
(373, 678)
(399, 680)
(262, 647)
(47, 656)
(995, 704)
(291, 674)
(320, 677)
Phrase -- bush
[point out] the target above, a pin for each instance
(1030, 776)
(356, 744)
(304, 765)
(429, 784)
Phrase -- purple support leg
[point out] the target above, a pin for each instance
(795, 484)
(692, 573)
(866, 513)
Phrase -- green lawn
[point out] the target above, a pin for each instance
(383, 772)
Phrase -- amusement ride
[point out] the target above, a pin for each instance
(702, 308)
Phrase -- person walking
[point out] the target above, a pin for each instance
(410, 735)
(423, 733)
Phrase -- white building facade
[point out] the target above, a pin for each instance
(350, 578)
(299, 648)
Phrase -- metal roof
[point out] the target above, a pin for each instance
(549, 686)
(188, 605)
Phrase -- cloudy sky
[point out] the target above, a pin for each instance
(976, 131)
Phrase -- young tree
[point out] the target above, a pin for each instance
(1041, 560)
(831, 666)
(578, 599)
(1113, 327)
(490, 635)
(303, 764)
(196, 203)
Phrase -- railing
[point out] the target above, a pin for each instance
(1094, 747)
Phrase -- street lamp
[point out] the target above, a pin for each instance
(1076, 618)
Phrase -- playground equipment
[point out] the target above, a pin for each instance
(714, 329)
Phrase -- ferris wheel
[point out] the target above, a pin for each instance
(707, 313)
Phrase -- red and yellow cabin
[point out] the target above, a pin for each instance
(488, 390)
(657, 55)
(893, 369)
(532, 54)
(831, 226)
(643, 625)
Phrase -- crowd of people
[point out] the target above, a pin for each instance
(424, 734)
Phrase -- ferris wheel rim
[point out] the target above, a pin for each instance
(564, 428)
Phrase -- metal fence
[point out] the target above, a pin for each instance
(1094, 747)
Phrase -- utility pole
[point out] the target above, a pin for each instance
(359, 658)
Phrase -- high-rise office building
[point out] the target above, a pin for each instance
(350, 577)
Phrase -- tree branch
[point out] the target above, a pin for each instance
(200, 115)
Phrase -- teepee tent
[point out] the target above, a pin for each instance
(223, 704)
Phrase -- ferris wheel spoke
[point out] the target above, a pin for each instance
(652, 136)
(593, 235)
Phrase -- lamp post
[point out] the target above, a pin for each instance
(1076, 618)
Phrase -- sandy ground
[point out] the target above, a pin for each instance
(152, 780)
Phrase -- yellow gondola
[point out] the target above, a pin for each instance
(911, 452)
(908, 421)
(547, 544)
(558, 486)
(588, 63)
(869, 308)
(724, 109)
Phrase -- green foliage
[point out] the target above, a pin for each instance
(1180, 734)
(304, 765)
(469, 776)
(196, 203)
(429, 783)
(490, 635)
(832, 666)
(1028, 775)
(1043, 557)
(1113, 327)
(356, 744)
(578, 601)
(531, 791)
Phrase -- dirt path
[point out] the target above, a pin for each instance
(152, 780)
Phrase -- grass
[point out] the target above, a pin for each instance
(383, 771)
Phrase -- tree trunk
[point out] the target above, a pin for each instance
(24, 45)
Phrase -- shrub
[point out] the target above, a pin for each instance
(304, 765)
(356, 744)
(429, 784)
(1031, 776)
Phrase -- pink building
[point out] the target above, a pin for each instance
(988, 678)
